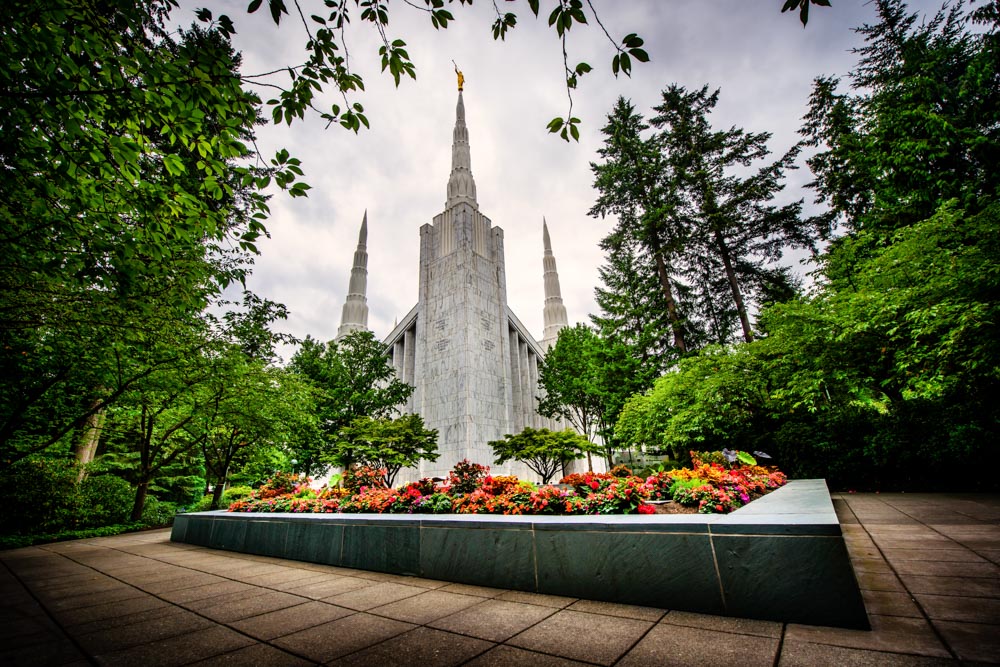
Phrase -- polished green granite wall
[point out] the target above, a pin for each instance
(781, 557)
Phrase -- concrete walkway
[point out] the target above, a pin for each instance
(927, 564)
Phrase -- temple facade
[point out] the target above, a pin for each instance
(473, 364)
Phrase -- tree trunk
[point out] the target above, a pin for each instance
(86, 444)
(734, 286)
(140, 500)
(220, 487)
(668, 294)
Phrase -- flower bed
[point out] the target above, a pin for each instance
(710, 485)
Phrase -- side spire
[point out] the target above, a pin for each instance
(555, 312)
(354, 316)
(461, 185)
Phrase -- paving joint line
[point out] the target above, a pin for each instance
(912, 597)
(59, 626)
(93, 660)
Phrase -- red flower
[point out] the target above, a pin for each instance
(646, 509)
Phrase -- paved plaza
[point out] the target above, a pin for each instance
(928, 566)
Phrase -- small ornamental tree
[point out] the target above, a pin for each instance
(543, 451)
(386, 444)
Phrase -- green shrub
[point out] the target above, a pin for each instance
(18, 541)
(234, 493)
(38, 495)
(103, 500)
(158, 513)
(202, 505)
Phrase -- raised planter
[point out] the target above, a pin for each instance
(780, 558)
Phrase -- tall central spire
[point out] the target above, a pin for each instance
(461, 185)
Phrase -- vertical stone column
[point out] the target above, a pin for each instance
(536, 419)
(517, 409)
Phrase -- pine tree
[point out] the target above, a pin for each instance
(734, 231)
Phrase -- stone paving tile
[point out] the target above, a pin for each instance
(961, 555)
(88, 587)
(370, 597)
(863, 551)
(691, 647)
(993, 555)
(326, 587)
(421, 647)
(889, 603)
(290, 619)
(235, 610)
(580, 636)
(205, 591)
(614, 609)
(214, 600)
(257, 655)
(90, 598)
(879, 581)
(509, 656)
(947, 568)
(897, 634)
(804, 654)
(468, 589)
(180, 582)
(129, 619)
(554, 601)
(408, 580)
(71, 617)
(964, 586)
(329, 641)
(740, 626)
(494, 620)
(54, 651)
(301, 586)
(110, 639)
(426, 607)
(287, 575)
(251, 574)
(956, 608)
(974, 642)
(871, 565)
(179, 650)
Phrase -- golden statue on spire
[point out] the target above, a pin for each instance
(461, 77)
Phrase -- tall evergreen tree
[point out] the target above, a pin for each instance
(731, 221)
(921, 125)
(630, 186)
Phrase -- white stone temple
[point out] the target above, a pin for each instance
(472, 362)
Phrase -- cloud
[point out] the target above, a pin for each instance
(763, 61)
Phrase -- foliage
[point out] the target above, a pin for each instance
(687, 214)
(586, 379)
(919, 125)
(543, 451)
(125, 211)
(361, 477)
(386, 444)
(350, 379)
(711, 487)
(38, 495)
(466, 476)
(17, 541)
(156, 513)
(103, 500)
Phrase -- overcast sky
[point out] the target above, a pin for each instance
(763, 61)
